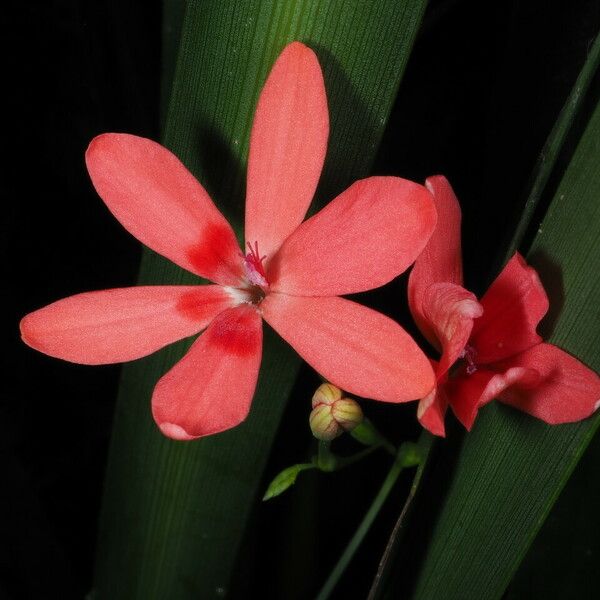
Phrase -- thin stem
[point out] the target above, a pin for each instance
(366, 433)
(425, 443)
(345, 461)
(326, 460)
(361, 531)
(389, 447)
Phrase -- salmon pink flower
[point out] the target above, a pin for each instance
(291, 274)
(495, 341)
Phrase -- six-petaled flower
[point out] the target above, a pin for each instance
(292, 273)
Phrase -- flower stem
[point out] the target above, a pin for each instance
(402, 460)
(326, 460)
(366, 433)
(425, 443)
(345, 461)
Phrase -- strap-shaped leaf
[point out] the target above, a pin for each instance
(173, 514)
(512, 467)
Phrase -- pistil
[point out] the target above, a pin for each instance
(255, 273)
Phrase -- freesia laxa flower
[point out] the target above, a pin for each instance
(495, 341)
(291, 273)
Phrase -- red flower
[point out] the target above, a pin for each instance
(501, 354)
(291, 276)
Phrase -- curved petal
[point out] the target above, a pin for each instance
(159, 201)
(287, 148)
(450, 310)
(468, 393)
(355, 348)
(117, 325)
(210, 389)
(567, 391)
(512, 308)
(361, 240)
(432, 408)
(440, 261)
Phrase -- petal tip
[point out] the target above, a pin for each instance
(105, 142)
(25, 329)
(434, 181)
(23, 325)
(175, 432)
(468, 420)
(295, 44)
(438, 431)
(95, 142)
(432, 425)
(300, 54)
(299, 48)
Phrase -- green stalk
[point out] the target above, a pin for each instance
(361, 531)
(404, 458)
(425, 443)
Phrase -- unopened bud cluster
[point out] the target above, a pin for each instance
(331, 414)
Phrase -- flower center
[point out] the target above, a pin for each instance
(469, 354)
(255, 274)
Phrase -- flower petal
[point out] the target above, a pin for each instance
(361, 240)
(567, 392)
(287, 148)
(440, 261)
(210, 389)
(468, 393)
(117, 325)
(512, 308)
(432, 408)
(355, 348)
(450, 309)
(159, 201)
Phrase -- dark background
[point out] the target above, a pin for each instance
(482, 90)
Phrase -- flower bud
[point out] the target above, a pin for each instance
(322, 424)
(326, 394)
(347, 413)
(332, 414)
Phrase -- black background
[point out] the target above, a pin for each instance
(482, 90)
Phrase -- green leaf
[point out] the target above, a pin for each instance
(174, 513)
(286, 479)
(512, 468)
(172, 19)
(552, 148)
(563, 560)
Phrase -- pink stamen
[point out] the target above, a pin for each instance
(254, 267)
(469, 354)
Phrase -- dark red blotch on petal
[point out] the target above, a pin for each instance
(212, 253)
(234, 330)
(197, 305)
